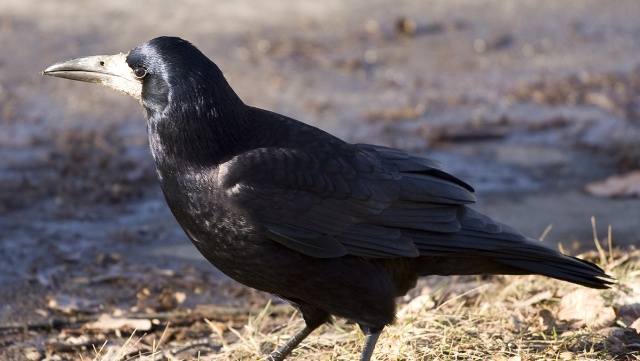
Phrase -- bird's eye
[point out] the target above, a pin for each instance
(140, 72)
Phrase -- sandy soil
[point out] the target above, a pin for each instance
(528, 101)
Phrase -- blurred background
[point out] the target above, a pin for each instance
(534, 103)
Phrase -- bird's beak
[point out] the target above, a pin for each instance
(109, 70)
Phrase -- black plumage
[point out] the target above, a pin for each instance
(278, 205)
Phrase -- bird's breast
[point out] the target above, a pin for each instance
(214, 224)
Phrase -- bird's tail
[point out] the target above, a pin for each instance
(552, 263)
(484, 246)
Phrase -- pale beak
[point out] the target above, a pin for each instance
(109, 70)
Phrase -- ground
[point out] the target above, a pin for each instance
(531, 102)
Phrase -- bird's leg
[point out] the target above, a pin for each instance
(313, 318)
(284, 350)
(372, 334)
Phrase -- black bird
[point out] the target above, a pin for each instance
(278, 205)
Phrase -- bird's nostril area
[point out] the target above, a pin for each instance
(101, 63)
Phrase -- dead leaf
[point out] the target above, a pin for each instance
(31, 354)
(601, 100)
(108, 323)
(394, 114)
(567, 355)
(636, 325)
(617, 186)
(585, 307)
(72, 304)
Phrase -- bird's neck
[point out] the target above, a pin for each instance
(200, 132)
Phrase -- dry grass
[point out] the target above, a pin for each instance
(455, 318)
(478, 327)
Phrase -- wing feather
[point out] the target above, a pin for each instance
(371, 201)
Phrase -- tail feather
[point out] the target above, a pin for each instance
(489, 247)
(565, 268)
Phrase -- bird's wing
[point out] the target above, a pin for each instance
(353, 200)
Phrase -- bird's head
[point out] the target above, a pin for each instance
(185, 95)
(160, 72)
